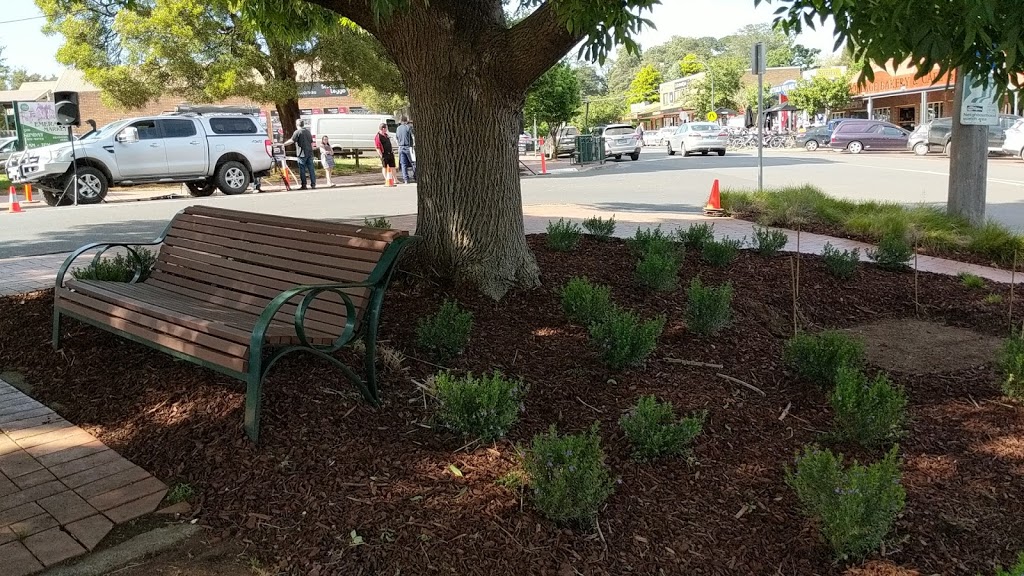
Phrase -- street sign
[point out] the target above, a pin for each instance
(712, 116)
(757, 63)
(37, 124)
(979, 106)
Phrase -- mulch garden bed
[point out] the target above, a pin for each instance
(330, 465)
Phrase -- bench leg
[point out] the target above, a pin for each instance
(253, 397)
(55, 338)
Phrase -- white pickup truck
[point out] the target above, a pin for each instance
(206, 152)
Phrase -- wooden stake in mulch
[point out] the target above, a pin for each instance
(797, 288)
(917, 302)
(1013, 282)
(793, 283)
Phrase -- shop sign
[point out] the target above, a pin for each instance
(885, 82)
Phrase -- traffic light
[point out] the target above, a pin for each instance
(66, 104)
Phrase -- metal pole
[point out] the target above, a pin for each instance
(74, 163)
(760, 130)
(712, 89)
(586, 117)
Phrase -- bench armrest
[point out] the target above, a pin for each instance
(105, 246)
(311, 291)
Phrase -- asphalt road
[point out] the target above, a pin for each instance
(655, 183)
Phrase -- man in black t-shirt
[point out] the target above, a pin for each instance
(303, 141)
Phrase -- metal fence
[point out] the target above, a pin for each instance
(589, 150)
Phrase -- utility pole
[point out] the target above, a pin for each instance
(758, 68)
(968, 160)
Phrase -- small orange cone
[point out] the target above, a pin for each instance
(12, 202)
(714, 206)
(28, 195)
(390, 181)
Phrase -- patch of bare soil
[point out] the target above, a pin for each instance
(922, 347)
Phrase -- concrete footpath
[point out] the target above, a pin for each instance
(31, 273)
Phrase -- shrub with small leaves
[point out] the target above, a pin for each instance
(696, 235)
(1011, 364)
(378, 222)
(769, 241)
(855, 506)
(651, 240)
(599, 227)
(840, 263)
(658, 271)
(869, 412)
(993, 299)
(563, 235)
(1015, 570)
(568, 477)
(120, 268)
(653, 431)
(819, 357)
(893, 252)
(708, 308)
(445, 333)
(971, 280)
(721, 252)
(584, 303)
(624, 339)
(484, 407)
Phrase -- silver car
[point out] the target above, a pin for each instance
(700, 137)
(8, 146)
(621, 139)
(1014, 142)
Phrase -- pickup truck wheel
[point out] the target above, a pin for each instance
(200, 189)
(54, 198)
(232, 178)
(92, 187)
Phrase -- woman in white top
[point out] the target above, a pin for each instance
(327, 159)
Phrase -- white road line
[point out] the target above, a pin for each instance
(934, 173)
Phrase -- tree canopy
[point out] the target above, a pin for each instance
(646, 86)
(821, 93)
(727, 74)
(690, 64)
(554, 97)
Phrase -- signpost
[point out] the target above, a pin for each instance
(712, 116)
(758, 67)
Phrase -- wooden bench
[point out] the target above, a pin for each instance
(236, 291)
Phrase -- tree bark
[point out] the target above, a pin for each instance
(288, 113)
(968, 164)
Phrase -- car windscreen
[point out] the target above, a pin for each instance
(705, 127)
(618, 131)
(108, 129)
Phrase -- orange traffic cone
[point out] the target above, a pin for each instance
(28, 195)
(12, 202)
(714, 206)
(390, 181)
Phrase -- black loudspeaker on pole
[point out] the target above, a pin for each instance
(66, 107)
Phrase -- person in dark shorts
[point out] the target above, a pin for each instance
(387, 155)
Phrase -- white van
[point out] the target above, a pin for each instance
(350, 131)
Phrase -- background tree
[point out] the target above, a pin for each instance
(553, 100)
(748, 96)
(5, 71)
(804, 57)
(646, 86)
(590, 80)
(18, 76)
(821, 93)
(778, 44)
(690, 64)
(665, 57)
(605, 110)
(727, 73)
(622, 71)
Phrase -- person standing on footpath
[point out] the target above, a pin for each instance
(382, 142)
(405, 143)
(327, 159)
(303, 141)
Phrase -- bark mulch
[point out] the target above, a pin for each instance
(333, 471)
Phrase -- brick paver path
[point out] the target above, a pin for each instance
(61, 489)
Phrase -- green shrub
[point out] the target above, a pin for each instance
(658, 271)
(599, 227)
(769, 241)
(855, 506)
(697, 235)
(584, 303)
(379, 222)
(181, 492)
(721, 252)
(653, 431)
(649, 240)
(993, 299)
(819, 357)
(484, 407)
(120, 268)
(445, 333)
(1011, 363)
(1015, 570)
(624, 339)
(563, 235)
(708, 308)
(840, 263)
(867, 412)
(893, 252)
(971, 280)
(568, 476)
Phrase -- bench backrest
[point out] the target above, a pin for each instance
(242, 259)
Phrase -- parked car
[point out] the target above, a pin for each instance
(206, 152)
(526, 143)
(700, 137)
(1013, 144)
(814, 138)
(936, 135)
(349, 131)
(619, 140)
(856, 137)
(658, 137)
(8, 146)
(567, 140)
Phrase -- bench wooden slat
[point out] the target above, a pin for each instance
(362, 248)
(385, 236)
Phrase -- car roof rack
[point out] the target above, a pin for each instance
(199, 110)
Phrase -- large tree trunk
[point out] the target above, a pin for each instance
(968, 164)
(288, 113)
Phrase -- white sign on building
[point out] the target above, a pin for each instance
(979, 106)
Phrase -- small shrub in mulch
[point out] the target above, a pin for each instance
(653, 431)
(1011, 364)
(600, 228)
(568, 476)
(584, 303)
(651, 240)
(445, 333)
(180, 492)
(563, 235)
(769, 241)
(893, 253)
(484, 407)
(1015, 570)
(722, 252)
(855, 506)
(120, 268)
(869, 412)
(659, 270)
(972, 281)
(378, 222)
(840, 263)
(708, 308)
(624, 339)
(696, 235)
(819, 357)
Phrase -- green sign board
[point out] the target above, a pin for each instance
(37, 126)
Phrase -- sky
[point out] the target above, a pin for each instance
(27, 47)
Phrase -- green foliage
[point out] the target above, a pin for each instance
(819, 358)
(727, 74)
(563, 235)
(607, 110)
(972, 281)
(591, 82)
(821, 93)
(484, 407)
(585, 303)
(840, 263)
(653, 431)
(622, 71)
(708, 308)
(624, 339)
(650, 240)
(721, 252)
(646, 86)
(568, 476)
(1011, 364)
(993, 299)
(1015, 570)
(379, 222)
(446, 332)
(120, 268)
(554, 97)
(690, 64)
(769, 242)
(600, 227)
(696, 235)
(893, 252)
(180, 492)
(867, 412)
(855, 506)
(659, 270)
